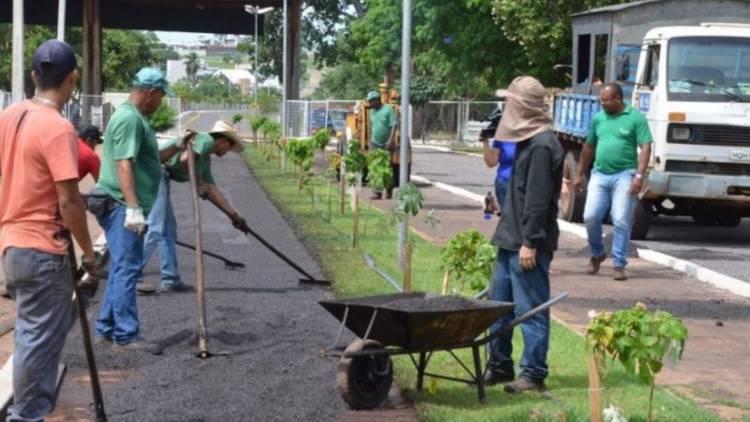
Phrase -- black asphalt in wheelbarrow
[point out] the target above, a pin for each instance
(412, 324)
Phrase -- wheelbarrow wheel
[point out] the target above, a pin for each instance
(364, 381)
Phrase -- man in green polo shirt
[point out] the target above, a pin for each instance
(130, 174)
(162, 224)
(617, 177)
(383, 129)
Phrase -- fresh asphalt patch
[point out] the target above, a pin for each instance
(268, 329)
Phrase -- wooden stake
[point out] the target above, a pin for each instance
(329, 200)
(407, 267)
(355, 219)
(200, 289)
(445, 282)
(342, 188)
(595, 390)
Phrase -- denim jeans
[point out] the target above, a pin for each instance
(118, 315)
(42, 286)
(527, 289)
(162, 232)
(610, 192)
(501, 191)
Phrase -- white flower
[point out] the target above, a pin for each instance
(592, 314)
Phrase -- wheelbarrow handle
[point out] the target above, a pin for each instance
(523, 318)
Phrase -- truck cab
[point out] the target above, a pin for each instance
(693, 84)
(691, 80)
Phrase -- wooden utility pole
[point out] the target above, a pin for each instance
(92, 48)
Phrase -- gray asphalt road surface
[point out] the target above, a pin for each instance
(272, 328)
(720, 249)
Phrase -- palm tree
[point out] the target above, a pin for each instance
(192, 63)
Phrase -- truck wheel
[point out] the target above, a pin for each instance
(729, 221)
(571, 202)
(364, 381)
(642, 216)
(704, 220)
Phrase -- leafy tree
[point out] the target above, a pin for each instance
(192, 64)
(124, 52)
(542, 28)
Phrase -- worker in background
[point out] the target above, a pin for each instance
(500, 154)
(88, 162)
(40, 207)
(617, 131)
(162, 224)
(526, 236)
(383, 123)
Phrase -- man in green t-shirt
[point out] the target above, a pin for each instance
(162, 224)
(614, 138)
(383, 129)
(130, 173)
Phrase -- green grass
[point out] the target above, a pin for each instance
(567, 400)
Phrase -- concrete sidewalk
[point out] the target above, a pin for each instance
(272, 327)
(715, 369)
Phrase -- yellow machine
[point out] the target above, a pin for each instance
(359, 120)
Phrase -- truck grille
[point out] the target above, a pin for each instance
(714, 135)
(723, 169)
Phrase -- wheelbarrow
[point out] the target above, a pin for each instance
(412, 324)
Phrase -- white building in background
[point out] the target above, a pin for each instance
(241, 78)
(176, 70)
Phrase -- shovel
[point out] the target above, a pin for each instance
(96, 388)
(228, 264)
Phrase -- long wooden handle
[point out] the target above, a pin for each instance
(200, 288)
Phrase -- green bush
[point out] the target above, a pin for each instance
(321, 138)
(379, 170)
(163, 119)
(354, 160)
(469, 256)
(237, 118)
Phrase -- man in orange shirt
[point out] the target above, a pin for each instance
(40, 206)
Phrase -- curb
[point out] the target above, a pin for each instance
(716, 279)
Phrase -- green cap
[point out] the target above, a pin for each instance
(373, 95)
(151, 78)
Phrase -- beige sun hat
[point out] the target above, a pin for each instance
(524, 113)
(225, 129)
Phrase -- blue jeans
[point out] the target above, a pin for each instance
(610, 192)
(162, 232)
(42, 286)
(527, 289)
(118, 315)
(501, 191)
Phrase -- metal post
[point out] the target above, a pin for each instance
(17, 78)
(61, 20)
(284, 83)
(405, 121)
(255, 67)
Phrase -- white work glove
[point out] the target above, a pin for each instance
(134, 220)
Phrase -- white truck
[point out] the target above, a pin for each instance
(692, 81)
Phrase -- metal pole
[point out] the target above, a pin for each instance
(405, 118)
(61, 20)
(255, 67)
(17, 78)
(284, 71)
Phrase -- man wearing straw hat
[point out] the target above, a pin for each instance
(162, 224)
(526, 236)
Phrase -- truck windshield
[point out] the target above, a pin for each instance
(713, 69)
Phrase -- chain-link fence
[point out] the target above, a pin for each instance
(450, 121)
(305, 117)
(436, 121)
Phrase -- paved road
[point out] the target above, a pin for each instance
(720, 249)
(273, 328)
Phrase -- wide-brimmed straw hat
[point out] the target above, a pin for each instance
(524, 114)
(228, 131)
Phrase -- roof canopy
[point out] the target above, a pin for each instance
(212, 16)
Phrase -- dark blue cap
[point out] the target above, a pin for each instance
(53, 58)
